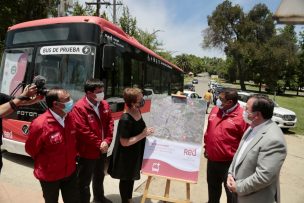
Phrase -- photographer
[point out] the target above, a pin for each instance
(9, 104)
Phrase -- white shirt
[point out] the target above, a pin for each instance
(58, 118)
(94, 107)
(252, 133)
(229, 110)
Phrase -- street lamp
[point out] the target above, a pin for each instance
(153, 33)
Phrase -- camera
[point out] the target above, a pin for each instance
(40, 81)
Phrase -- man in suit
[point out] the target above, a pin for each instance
(255, 169)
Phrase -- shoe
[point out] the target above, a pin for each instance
(104, 200)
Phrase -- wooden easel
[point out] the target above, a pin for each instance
(166, 197)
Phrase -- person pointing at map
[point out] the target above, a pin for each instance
(127, 156)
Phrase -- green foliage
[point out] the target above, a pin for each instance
(13, 12)
(166, 55)
(128, 23)
(149, 40)
(79, 10)
(253, 47)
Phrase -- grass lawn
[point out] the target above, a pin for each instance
(289, 100)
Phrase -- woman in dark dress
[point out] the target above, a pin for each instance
(127, 155)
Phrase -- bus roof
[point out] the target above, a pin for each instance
(104, 25)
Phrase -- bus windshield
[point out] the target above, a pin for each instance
(66, 66)
(13, 68)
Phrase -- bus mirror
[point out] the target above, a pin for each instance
(147, 92)
(108, 57)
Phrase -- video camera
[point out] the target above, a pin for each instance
(40, 81)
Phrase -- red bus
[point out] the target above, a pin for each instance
(69, 50)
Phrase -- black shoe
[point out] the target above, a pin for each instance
(104, 200)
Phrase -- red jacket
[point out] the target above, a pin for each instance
(52, 147)
(92, 130)
(223, 135)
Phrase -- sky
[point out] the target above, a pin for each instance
(179, 23)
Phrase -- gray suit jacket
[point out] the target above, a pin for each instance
(258, 170)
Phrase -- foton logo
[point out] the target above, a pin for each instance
(190, 152)
(27, 113)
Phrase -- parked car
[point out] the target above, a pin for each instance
(285, 118)
(189, 86)
(195, 81)
(215, 92)
(211, 82)
(279, 90)
(191, 94)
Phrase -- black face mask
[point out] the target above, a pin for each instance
(142, 103)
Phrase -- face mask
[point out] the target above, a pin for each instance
(68, 106)
(99, 96)
(245, 117)
(219, 104)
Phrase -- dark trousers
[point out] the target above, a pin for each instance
(126, 190)
(68, 186)
(216, 176)
(91, 170)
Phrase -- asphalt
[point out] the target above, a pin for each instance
(12, 193)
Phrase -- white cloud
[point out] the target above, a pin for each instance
(177, 36)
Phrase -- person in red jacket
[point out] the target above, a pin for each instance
(94, 124)
(225, 129)
(52, 144)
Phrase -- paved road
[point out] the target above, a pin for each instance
(18, 185)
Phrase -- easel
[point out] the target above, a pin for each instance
(166, 197)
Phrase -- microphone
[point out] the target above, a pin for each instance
(39, 80)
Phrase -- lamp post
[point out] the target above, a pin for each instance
(154, 32)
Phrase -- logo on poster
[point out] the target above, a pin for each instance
(155, 167)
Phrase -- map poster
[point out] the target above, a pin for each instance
(174, 150)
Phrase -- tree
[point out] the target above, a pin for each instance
(129, 26)
(12, 12)
(149, 40)
(79, 10)
(240, 35)
(183, 62)
(128, 23)
(224, 31)
(289, 72)
(300, 67)
(166, 55)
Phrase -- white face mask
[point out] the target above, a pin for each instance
(245, 117)
(99, 96)
(219, 104)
